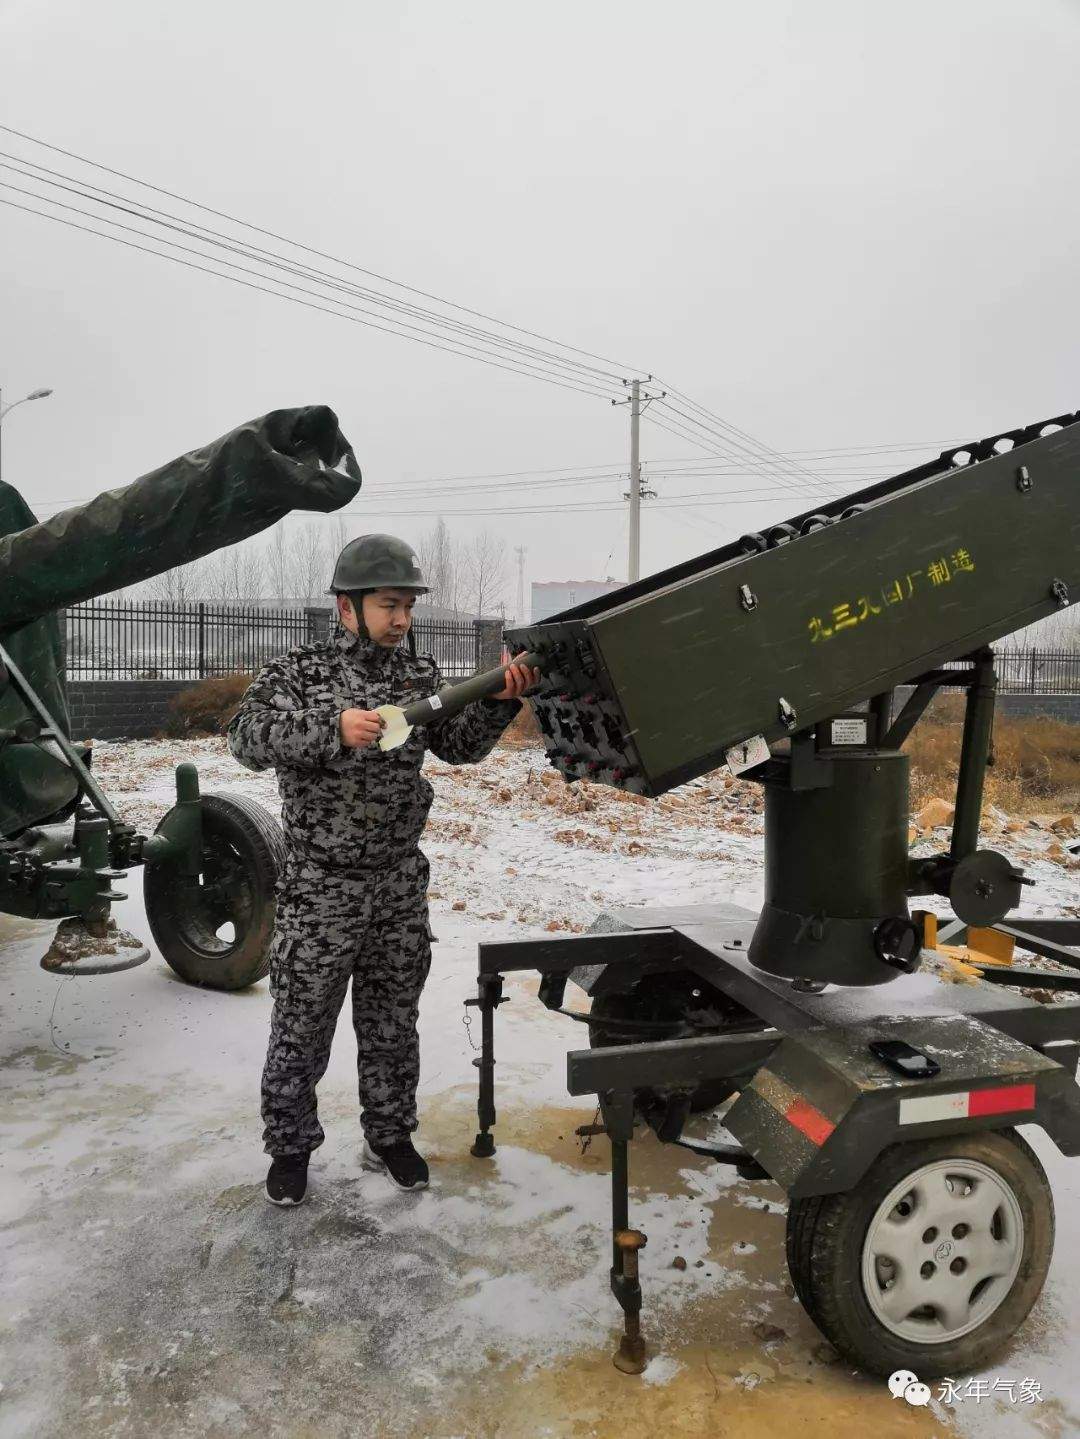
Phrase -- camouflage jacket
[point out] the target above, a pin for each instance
(353, 809)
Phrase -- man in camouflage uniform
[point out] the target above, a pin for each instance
(352, 901)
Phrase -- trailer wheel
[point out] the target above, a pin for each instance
(934, 1260)
(216, 930)
(666, 999)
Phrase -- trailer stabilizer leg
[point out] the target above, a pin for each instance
(618, 1116)
(630, 1355)
(489, 997)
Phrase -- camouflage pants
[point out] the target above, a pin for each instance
(333, 928)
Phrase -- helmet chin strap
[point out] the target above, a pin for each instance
(356, 598)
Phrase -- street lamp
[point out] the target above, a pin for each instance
(33, 395)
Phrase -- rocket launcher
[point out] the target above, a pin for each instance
(450, 700)
(784, 629)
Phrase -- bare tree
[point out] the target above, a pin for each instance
(486, 571)
(179, 586)
(307, 564)
(243, 574)
(276, 557)
(441, 561)
(232, 575)
(214, 577)
(337, 536)
(1058, 631)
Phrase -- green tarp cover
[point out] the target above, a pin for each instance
(212, 497)
(35, 648)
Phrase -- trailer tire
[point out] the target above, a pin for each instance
(801, 1221)
(246, 847)
(838, 1243)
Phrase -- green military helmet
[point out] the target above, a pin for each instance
(377, 562)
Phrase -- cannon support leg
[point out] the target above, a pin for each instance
(618, 1112)
(489, 997)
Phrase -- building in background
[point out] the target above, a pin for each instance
(551, 597)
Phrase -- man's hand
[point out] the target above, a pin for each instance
(519, 678)
(360, 728)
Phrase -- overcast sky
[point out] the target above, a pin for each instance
(834, 224)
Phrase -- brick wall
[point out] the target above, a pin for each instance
(491, 642)
(120, 709)
(1062, 707)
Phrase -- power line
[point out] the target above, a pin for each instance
(441, 493)
(682, 416)
(876, 449)
(443, 487)
(467, 338)
(679, 433)
(293, 299)
(406, 331)
(705, 499)
(768, 461)
(320, 254)
(448, 486)
(162, 219)
(742, 439)
(661, 506)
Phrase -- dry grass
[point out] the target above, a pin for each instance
(1036, 760)
(524, 732)
(207, 708)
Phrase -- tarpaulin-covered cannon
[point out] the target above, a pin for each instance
(211, 866)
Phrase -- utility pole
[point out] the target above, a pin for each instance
(520, 551)
(633, 563)
(638, 405)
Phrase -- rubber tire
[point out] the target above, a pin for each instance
(825, 1236)
(632, 1004)
(257, 844)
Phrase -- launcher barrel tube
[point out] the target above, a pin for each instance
(451, 699)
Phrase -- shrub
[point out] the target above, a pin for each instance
(207, 707)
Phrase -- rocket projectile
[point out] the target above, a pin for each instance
(450, 700)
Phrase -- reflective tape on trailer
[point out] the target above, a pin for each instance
(796, 1109)
(967, 1104)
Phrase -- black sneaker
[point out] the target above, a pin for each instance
(402, 1164)
(287, 1181)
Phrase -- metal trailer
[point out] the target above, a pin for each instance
(920, 1224)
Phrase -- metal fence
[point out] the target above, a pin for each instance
(1038, 672)
(157, 639)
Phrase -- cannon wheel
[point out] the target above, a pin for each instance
(190, 919)
(667, 998)
(933, 1261)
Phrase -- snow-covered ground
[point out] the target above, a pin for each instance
(147, 1288)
